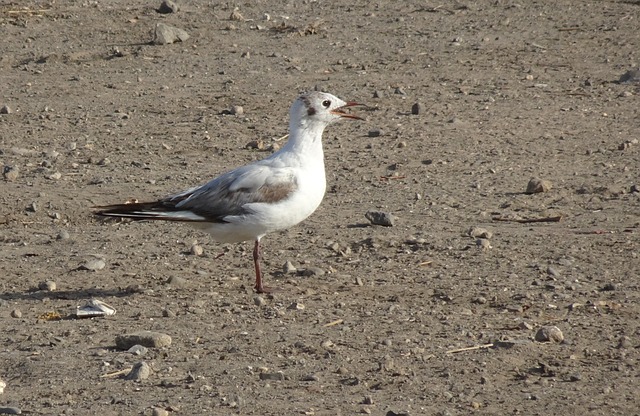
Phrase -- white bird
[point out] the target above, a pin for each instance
(269, 195)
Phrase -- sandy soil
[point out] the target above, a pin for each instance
(381, 321)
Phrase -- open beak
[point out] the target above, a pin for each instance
(339, 111)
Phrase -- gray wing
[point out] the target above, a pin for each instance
(228, 194)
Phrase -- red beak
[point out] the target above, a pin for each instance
(338, 111)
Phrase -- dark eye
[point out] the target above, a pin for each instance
(326, 103)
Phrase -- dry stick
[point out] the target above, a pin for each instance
(477, 347)
(528, 220)
(336, 322)
(117, 373)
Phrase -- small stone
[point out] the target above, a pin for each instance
(54, 176)
(256, 144)
(158, 411)
(63, 235)
(168, 313)
(479, 232)
(417, 108)
(313, 271)
(537, 185)
(93, 265)
(49, 286)
(166, 34)
(138, 350)
(483, 244)
(2, 385)
(401, 145)
(10, 411)
(140, 371)
(197, 250)
(236, 110)
(16, 313)
(289, 268)
(259, 301)
(525, 325)
(575, 377)
(272, 376)
(378, 94)
(236, 15)
(310, 377)
(634, 188)
(367, 400)
(552, 271)
(5, 109)
(549, 334)
(374, 133)
(296, 306)
(167, 6)
(609, 287)
(32, 207)
(148, 339)
(624, 342)
(399, 91)
(177, 281)
(380, 218)
(10, 173)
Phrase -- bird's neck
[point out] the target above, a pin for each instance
(305, 139)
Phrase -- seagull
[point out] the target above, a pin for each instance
(265, 196)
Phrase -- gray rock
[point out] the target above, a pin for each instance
(380, 218)
(417, 108)
(140, 371)
(549, 334)
(537, 185)
(138, 350)
(374, 133)
(16, 313)
(166, 34)
(5, 109)
(148, 339)
(158, 411)
(10, 173)
(10, 411)
(49, 286)
(479, 232)
(93, 265)
(167, 6)
(272, 376)
(631, 76)
(289, 268)
(63, 235)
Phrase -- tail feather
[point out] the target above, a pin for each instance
(159, 210)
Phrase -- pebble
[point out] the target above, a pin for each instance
(313, 271)
(374, 133)
(168, 313)
(289, 268)
(140, 371)
(479, 232)
(197, 250)
(49, 286)
(176, 281)
(552, 271)
(536, 186)
(10, 173)
(272, 376)
(380, 218)
(16, 313)
(158, 411)
(2, 385)
(417, 108)
(167, 6)
(148, 339)
(63, 235)
(296, 306)
(378, 94)
(259, 301)
(5, 109)
(54, 176)
(236, 110)
(10, 411)
(93, 265)
(138, 350)
(166, 34)
(549, 334)
(236, 15)
(483, 244)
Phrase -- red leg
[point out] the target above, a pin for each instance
(256, 261)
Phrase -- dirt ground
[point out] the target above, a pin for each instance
(415, 319)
